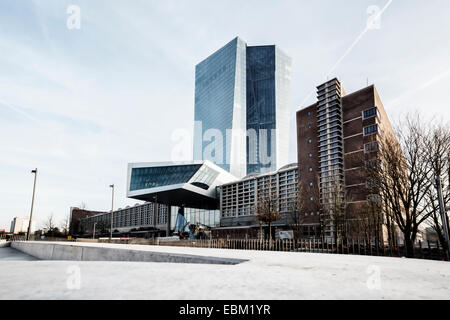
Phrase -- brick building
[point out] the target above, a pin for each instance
(76, 214)
(336, 138)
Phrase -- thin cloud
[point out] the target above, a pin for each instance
(349, 49)
(419, 88)
(18, 110)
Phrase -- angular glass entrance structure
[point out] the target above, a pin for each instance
(191, 185)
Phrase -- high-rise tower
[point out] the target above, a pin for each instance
(242, 107)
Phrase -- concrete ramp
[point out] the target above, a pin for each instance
(4, 243)
(77, 252)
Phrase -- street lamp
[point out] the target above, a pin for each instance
(32, 203)
(155, 216)
(93, 234)
(442, 210)
(112, 212)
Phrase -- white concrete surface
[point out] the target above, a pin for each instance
(9, 254)
(99, 252)
(4, 243)
(267, 275)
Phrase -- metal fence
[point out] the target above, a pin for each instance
(423, 249)
(17, 237)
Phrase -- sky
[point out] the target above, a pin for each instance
(81, 103)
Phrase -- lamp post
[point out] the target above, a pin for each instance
(32, 204)
(443, 216)
(112, 212)
(155, 216)
(93, 234)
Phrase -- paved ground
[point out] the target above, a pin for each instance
(267, 275)
(10, 254)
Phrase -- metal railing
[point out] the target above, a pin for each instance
(422, 250)
(16, 237)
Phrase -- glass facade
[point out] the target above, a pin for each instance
(261, 111)
(151, 177)
(283, 67)
(246, 89)
(204, 177)
(220, 107)
(209, 218)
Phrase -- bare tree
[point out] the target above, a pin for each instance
(438, 150)
(101, 227)
(295, 213)
(371, 220)
(64, 225)
(267, 206)
(402, 179)
(333, 204)
(49, 224)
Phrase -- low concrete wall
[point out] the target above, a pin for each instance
(56, 251)
(40, 250)
(4, 243)
(86, 240)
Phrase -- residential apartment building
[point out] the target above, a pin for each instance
(336, 138)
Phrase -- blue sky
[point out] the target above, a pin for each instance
(81, 104)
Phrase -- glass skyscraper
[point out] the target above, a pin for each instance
(242, 107)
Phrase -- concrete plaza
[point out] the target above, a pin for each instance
(266, 275)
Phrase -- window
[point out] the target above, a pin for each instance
(309, 113)
(310, 169)
(310, 184)
(310, 155)
(374, 198)
(372, 164)
(370, 147)
(309, 126)
(311, 198)
(372, 112)
(372, 183)
(370, 129)
(309, 140)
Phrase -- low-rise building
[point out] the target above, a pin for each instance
(20, 225)
(239, 201)
(76, 214)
